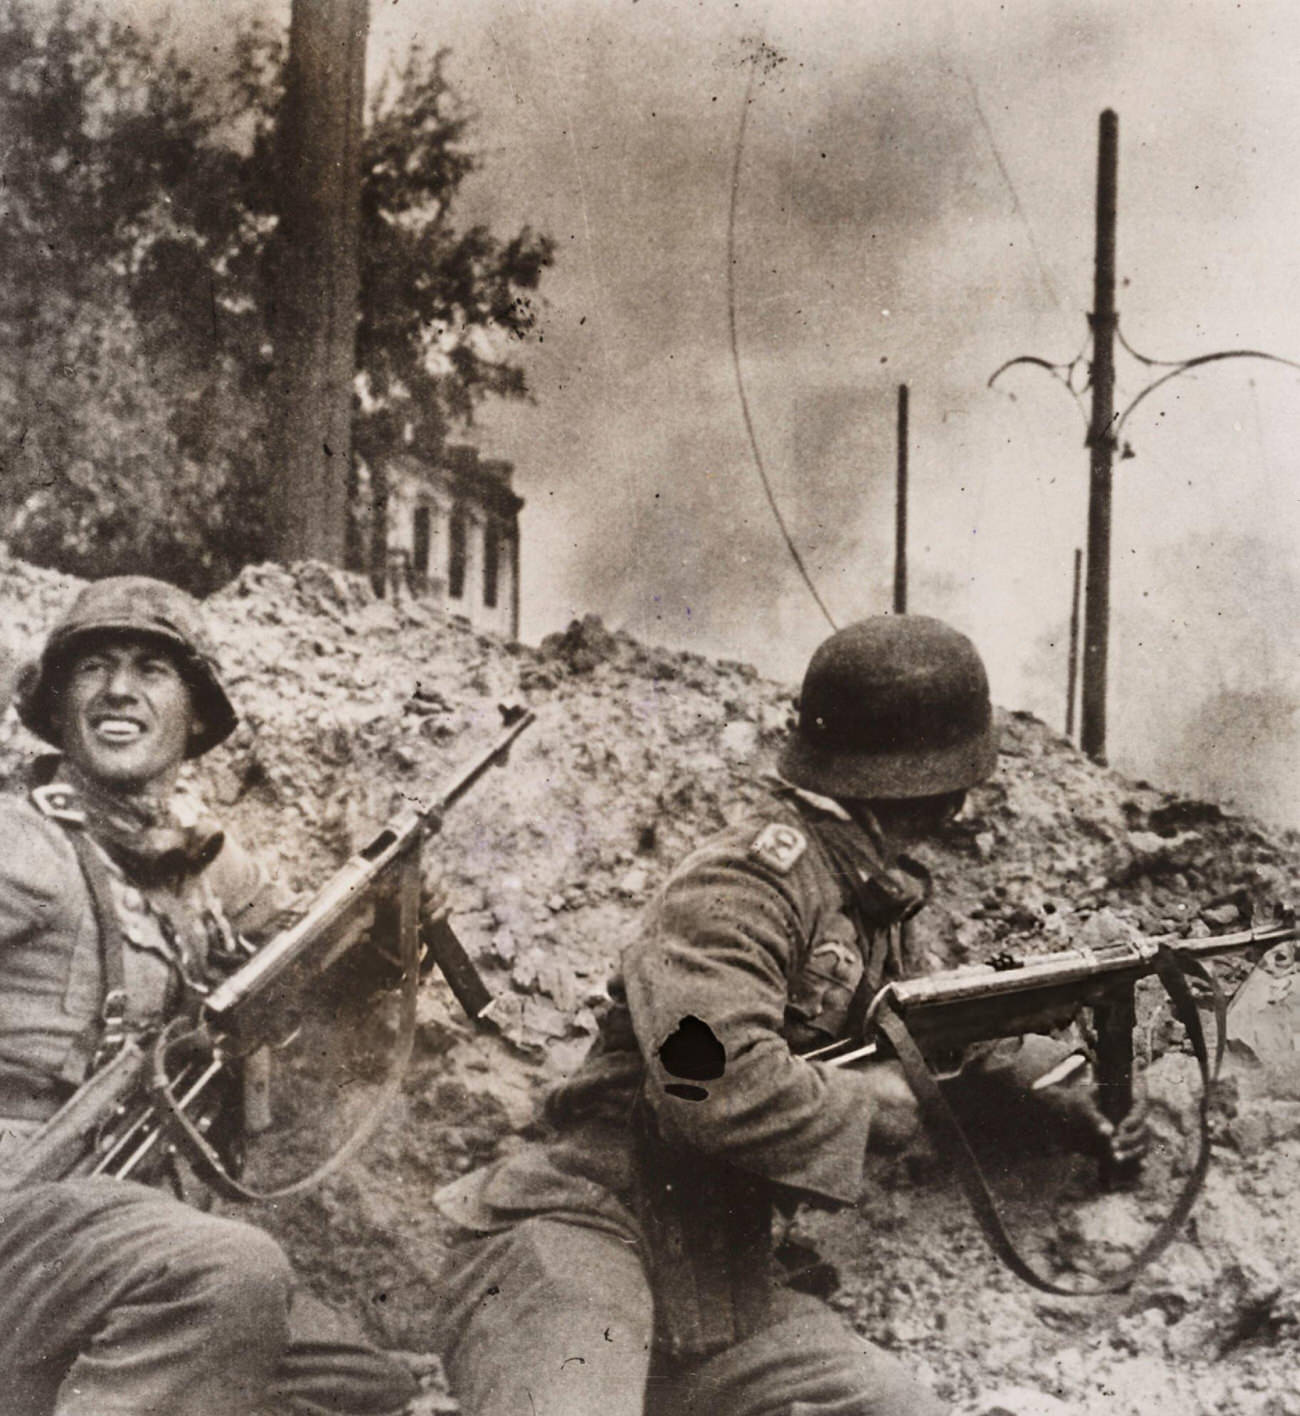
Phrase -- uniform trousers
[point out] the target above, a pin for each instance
(118, 1300)
(551, 1317)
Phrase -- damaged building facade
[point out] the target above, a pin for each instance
(453, 535)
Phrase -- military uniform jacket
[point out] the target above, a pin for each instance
(51, 965)
(694, 1091)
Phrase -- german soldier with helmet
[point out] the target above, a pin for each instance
(119, 898)
(624, 1264)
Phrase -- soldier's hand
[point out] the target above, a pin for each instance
(1076, 1107)
(435, 899)
(894, 1116)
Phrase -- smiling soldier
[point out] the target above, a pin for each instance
(119, 901)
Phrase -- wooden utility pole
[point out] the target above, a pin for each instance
(1101, 447)
(1072, 673)
(316, 278)
(900, 515)
(1104, 428)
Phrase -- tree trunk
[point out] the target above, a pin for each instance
(316, 279)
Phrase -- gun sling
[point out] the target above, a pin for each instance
(179, 1034)
(1172, 966)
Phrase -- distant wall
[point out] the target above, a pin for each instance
(453, 537)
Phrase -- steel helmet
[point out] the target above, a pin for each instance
(893, 706)
(134, 604)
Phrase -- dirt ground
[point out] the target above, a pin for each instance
(353, 707)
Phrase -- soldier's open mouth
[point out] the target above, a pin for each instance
(118, 730)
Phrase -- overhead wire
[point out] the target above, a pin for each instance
(1065, 373)
(1016, 204)
(735, 356)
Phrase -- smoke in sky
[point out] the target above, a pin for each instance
(914, 204)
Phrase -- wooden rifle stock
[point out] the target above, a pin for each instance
(62, 1142)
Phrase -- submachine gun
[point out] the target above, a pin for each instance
(926, 1022)
(160, 1090)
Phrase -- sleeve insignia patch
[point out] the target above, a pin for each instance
(778, 847)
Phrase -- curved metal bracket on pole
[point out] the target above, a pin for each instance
(1177, 367)
(1062, 373)
(1104, 426)
(1174, 368)
(1103, 446)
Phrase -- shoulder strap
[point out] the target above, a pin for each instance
(106, 1034)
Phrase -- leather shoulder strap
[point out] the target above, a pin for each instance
(107, 1032)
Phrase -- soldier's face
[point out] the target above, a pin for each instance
(126, 714)
(911, 819)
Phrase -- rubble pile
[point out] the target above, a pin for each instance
(354, 707)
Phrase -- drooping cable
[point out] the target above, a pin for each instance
(1016, 205)
(735, 357)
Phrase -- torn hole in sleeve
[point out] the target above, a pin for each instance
(693, 1054)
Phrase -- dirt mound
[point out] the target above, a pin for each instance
(352, 707)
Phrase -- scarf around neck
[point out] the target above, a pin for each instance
(155, 840)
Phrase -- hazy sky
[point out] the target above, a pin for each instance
(915, 204)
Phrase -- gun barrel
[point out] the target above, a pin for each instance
(1066, 966)
(317, 938)
(156, 1126)
(517, 721)
(1039, 992)
(342, 895)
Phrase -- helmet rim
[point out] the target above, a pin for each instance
(892, 706)
(898, 773)
(40, 683)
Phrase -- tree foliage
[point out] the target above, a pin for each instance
(137, 251)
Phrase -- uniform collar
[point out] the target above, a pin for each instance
(864, 818)
(152, 841)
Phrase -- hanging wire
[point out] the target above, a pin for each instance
(1016, 205)
(1073, 375)
(735, 355)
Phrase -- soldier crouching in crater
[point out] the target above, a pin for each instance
(115, 895)
(625, 1265)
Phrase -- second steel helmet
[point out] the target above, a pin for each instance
(131, 604)
(893, 706)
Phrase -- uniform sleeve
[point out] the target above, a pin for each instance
(707, 985)
(36, 865)
(254, 900)
(994, 1096)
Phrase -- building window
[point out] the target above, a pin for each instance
(420, 537)
(491, 556)
(458, 532)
